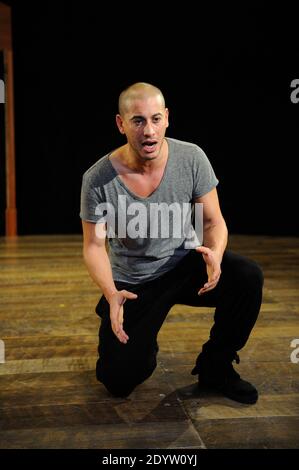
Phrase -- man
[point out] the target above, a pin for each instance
(143, 276)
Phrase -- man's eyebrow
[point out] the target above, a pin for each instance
(142, 117)
(136, 117)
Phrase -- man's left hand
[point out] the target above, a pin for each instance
(213, 268)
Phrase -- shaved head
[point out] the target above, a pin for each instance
(138, 90)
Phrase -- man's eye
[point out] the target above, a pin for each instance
(138, 121)
(157, 119)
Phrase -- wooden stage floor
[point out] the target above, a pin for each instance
(49, 396)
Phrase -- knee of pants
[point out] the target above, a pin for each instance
(119, 389)
(250, 274)
(121, 381)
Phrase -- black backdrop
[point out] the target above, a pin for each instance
(225, 73)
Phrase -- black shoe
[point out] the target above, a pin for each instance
(216, 372)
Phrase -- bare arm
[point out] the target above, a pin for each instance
(96, 257)
(98, 265)
(214, 238)
(214, 226)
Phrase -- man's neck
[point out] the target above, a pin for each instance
(144, 166)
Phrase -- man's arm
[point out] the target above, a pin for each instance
(96, 257)
(214, 238)
(98, 264)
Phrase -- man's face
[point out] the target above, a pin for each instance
(144, 124)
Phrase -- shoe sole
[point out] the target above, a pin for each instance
(213, 388)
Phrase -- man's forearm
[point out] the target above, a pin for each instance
(215, 237)
(99, 267)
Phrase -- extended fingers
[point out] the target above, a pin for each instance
(116, 314)
(117, 326)
(211, 284)
(119, 332)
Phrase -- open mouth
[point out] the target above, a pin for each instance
(149, 145)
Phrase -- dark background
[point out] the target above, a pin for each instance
(225, 73)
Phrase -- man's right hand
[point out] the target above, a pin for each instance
(116, 302)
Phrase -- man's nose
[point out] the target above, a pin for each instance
(149, 129)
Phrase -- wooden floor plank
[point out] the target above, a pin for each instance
(250, 433)
(49, 396)
(109, 436)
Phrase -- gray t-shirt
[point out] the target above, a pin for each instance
(143, 234)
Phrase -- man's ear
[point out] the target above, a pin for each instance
(119, 123)
(167, 116)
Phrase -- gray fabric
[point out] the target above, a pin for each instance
(188, 174)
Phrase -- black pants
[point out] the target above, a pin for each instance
(237, 298)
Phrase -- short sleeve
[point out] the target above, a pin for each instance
(204, 178)
(90, 198)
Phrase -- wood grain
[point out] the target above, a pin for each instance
(50, 398)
